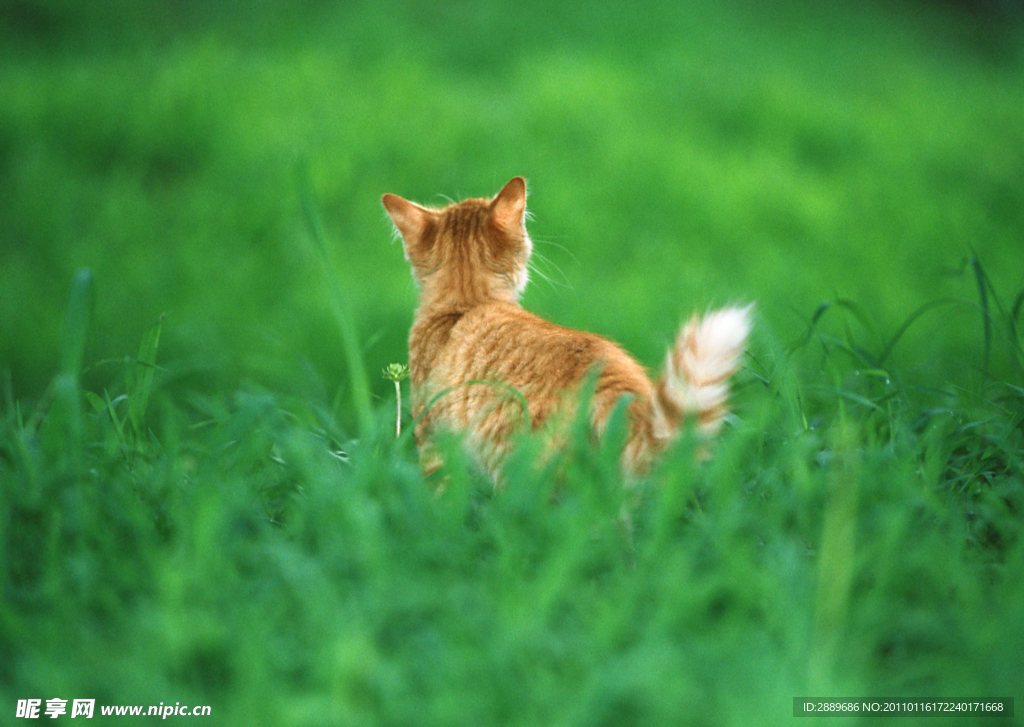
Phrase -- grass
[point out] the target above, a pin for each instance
(676, 158)
(242, 552)
(202, 497)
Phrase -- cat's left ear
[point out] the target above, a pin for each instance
(410, 219)
(508, 208)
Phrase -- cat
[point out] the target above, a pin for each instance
(476, 357)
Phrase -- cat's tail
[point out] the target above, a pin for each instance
(694, 385)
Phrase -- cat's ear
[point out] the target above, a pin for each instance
(410, 219)
(508, 208)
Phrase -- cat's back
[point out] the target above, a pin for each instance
(503, 341)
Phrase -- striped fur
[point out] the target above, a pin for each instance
(470, 262)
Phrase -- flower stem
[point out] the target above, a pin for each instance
(398, 410)
(396, 372)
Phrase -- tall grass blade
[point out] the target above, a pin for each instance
(140, 377)
(911, 319)
(64, 426)
(986, 319)
(76, 324)
(1016, 345)
(359, 381)
(837, 554)
(821, 310)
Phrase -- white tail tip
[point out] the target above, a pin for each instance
(706, 353)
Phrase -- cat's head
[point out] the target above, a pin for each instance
(469, 252)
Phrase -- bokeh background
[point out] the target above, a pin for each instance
(240, 528)
(679, 155)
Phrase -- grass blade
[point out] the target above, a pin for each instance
(358, 379)
(986, 319)
(140, 376)
(76, 324)
(64, 426)
(847, 305)
(911, 319)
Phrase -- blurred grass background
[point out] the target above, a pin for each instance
(681, 155)
(226, 528)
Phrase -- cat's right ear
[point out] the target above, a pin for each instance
(509, 206)
(410, 219)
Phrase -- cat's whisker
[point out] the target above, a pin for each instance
(552, 243)
(536, 270)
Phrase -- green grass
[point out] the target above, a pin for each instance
(240, 551)
(202, 499)
(677, 157)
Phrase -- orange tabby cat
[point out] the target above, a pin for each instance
(470, 263)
